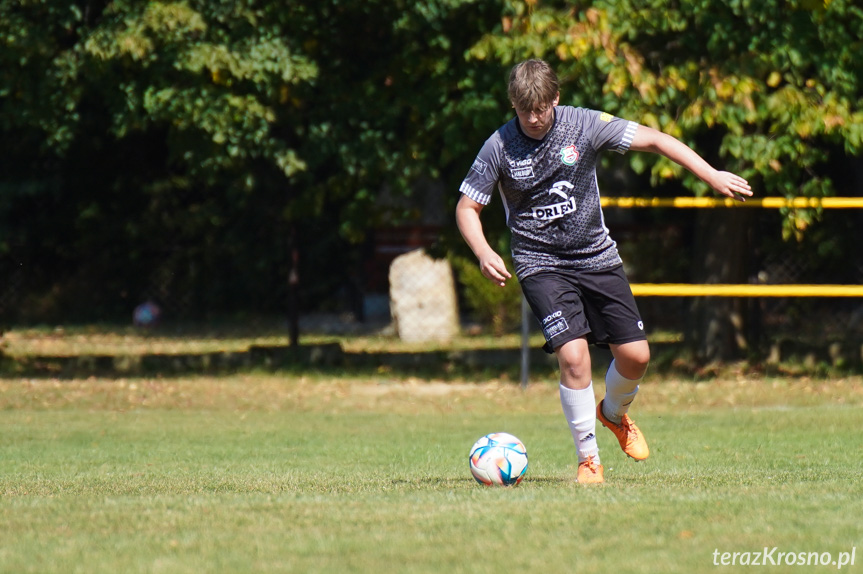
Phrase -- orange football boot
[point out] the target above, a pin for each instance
(630, 438)
(589, 472)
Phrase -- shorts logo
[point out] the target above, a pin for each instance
(569, 155)
(641, 325)
(479, 166)
(552, 317)
(556, 210)
(555, 328)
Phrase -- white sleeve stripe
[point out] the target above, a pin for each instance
(474, 194)
(626, 140)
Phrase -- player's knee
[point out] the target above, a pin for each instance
(641, 359)
(574, 362)
(577, 372)
(632, 362)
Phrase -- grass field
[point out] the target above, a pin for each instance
(264, 473)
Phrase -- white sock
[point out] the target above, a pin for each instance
(579, 407)
(619, 394)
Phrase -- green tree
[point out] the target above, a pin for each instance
(157, 123)
(770, 90)
(197, 145)
(182, 141)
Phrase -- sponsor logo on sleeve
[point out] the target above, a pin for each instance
(606, 117)
(479, 166)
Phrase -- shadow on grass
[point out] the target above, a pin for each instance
(451, 483)
(327, 358)
(331, 359)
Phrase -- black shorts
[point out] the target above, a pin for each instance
(597, 304)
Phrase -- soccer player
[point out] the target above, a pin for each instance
(544, 163)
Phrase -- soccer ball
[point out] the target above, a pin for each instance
(147, 314)
(498, 459)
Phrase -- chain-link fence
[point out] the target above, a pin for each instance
(352, 288)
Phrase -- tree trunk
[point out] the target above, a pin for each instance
(717, 326)
(293, 288)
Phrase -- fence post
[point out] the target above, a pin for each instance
(525, 342)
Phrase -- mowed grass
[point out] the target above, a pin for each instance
(263, 473)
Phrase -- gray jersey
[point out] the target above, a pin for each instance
(550, 191)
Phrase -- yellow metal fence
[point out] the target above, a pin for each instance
(742, 290)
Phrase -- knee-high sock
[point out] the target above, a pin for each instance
(619, 394)
(579, 407)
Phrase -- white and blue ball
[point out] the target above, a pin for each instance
(498, 459)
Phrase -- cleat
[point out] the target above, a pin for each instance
(589, 472)
(630, 438)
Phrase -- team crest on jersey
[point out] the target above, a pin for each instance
(569, 155)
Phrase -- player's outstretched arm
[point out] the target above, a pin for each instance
(469, 224)
(726, 183)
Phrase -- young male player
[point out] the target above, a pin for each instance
(544, 163)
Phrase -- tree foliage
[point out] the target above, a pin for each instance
(771, 88)
(182, 141)
(192, 145)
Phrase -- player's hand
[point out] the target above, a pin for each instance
(731, 185)
(493, 268)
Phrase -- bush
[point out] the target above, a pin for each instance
(492, 305)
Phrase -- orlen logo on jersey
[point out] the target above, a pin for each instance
(569, 155)
(556, 210)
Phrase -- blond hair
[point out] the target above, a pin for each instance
(532, 85)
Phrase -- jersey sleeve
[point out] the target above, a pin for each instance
(482, 177)
(609, 132)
